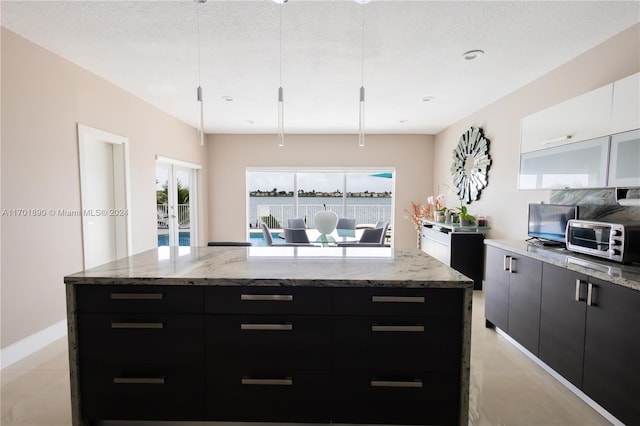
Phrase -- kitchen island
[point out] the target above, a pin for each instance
(287, 334)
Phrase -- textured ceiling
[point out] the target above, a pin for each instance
(412, 49)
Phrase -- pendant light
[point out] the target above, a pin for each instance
(280, 91)
(199, 90)
(361, 111)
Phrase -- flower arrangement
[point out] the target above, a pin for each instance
(417, 213)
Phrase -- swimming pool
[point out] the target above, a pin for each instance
(184, 239)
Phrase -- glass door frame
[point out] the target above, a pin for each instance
(175, 166)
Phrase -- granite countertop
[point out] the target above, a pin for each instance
(285, 266)
(617, 273)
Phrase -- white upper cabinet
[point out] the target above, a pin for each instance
(625, 112)
(587, 116)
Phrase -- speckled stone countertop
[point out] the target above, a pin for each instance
(617, 273)
(284, 266)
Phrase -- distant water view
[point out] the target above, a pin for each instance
(364, 210)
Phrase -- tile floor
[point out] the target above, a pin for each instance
(507, 388)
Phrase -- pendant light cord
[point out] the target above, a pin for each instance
(281, 4)
(362, 63)
(198, 33)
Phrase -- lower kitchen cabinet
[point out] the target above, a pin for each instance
(525, 276)
(612, 349)
(138, 393)
(409, 397)
(496, 301)
(272, 354)
(512, 296)
(563, 313)
(268, 395)
(587, 327)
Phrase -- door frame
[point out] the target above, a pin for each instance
(193, 201)
(90, 135)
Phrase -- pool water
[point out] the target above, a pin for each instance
(184, 239)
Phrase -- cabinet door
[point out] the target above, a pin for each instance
(624, 169)
(584, 117)
(562, 321)
(575, 165)
(524, 301)
(496, 301)
(625, 113)
(612, 349)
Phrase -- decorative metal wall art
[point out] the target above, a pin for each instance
(471, 164)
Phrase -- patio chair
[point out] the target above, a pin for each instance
(298, 236)
(296, 223)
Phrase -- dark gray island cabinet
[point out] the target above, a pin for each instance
(335, 349)
(580, 324)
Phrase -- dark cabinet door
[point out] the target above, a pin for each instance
(562, 321)
(525, 275)
(496, 299)
(612, 349)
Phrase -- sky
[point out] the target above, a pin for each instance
(320, 181)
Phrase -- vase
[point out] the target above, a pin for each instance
(440, 217)
(325, 221)
(447, 217)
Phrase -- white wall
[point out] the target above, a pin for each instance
(505, 206)
(43, 99)
(230, 155)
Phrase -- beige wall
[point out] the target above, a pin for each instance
(230, 155)
(43, 99)
(505, 206)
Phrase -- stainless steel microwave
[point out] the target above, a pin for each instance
(619, 242)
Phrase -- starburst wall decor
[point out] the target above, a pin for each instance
(471, 164)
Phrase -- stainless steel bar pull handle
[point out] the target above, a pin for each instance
(397, 299)
(579, 283)
(267, 297)
(398, 328)
(137, 296)
(272, 327)
(269, 382)
(590, 295)
(504, 262)
(138, 380)
(138, 325)
(511, 260)
(396, 384)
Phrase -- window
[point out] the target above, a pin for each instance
(275, 195)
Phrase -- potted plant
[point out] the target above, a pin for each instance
(466, 219)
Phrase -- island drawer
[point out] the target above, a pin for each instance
(268, 340)
(146, 394)
(397, 343)
(398, 301)
(139, 299)
(267, 300)
(155, 340)
(411, 398)
(279, 395)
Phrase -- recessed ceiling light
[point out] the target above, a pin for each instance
(250, 121)
(226, 98)
(472, 54)
(427, 99)
(403, 120)
(280, 1)
(362, 1)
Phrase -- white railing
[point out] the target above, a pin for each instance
(184, 215)
(275, 216)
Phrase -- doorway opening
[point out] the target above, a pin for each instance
(176, 202)
(104, 186)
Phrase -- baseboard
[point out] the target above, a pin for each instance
(583, 396)
(30, 344)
